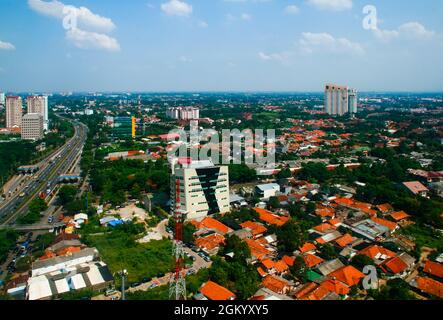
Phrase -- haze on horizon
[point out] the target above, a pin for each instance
(219, 46)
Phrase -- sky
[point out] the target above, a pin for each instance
(220, 45)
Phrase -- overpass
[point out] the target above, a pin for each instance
(35, 227)
(69, 178)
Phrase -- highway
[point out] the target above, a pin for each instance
(56, 165)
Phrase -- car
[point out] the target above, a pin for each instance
(160, 275)
(110, 292)
(190, 271)
(146, 280)
(136, 284)
(152, 286)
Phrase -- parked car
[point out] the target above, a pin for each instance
(110, 292)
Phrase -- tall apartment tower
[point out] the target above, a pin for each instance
(183, 113)
(2, 98)
(32, 126)
(353, 101)
(39, 104)
(13, 112)
(204, 188)
(336, 100)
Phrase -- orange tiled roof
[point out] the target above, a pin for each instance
(324, 227)
(210, 242)
(271, 218)
(399, 215)
(255, 227)
(281, 266)
(274, 284)
(317, 294)
(325, 212)
(288, 260)
(261, 272)
(334, 222)
(348, 275)
(210, 223)
(268, 263)
(312, 260)
(374, 251)
(344, 201)
(257, 250)
(306, 289)
(307, 247)
(395, 265)
(336, 286)
(214, 291)
(345, 240)
(47, 255)
(68, 251)
(388, 224)
(430, 286)
(434, 268)
(384, 208)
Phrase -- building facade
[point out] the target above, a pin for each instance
(13, 112)
(124, 127)
(183, 113)
(204, 188)
(2, 98)
(32, 126)
(340, 100)
(39, 104)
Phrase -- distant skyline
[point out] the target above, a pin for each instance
(219, 46)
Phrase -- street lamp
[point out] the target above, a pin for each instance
(123, 274)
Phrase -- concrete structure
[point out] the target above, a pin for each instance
(32, 126)
(89, 112)
(340, 100)
(204, 188)
(266, 191)
(13, 112)
(183, 113)
(39, 104)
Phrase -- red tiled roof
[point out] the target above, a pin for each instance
(255, 227)
(399, 215)
(214, 291)
(274, 284)
(307, 247)
(288, 260)
(434, 268)
(415, 187)
(210, 223)
(324, 227)
(430, 286)
(312, 260)
(384, 208)
(395, 265)
(388, 224)
(348, 275)
(210, 242)
(345, 240)
(336, 286)
(271, 218)
(374, 252)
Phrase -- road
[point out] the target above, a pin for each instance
(56, 165)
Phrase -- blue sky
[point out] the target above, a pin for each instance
(219, 45)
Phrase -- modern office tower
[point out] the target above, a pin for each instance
(204, 188)
(2, 98)
(336, 100)
(13, 112)
(39, 104)
(183, 113)
(124, 127)
(32, 126)
(353, 101)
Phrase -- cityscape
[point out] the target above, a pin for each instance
(329, 192)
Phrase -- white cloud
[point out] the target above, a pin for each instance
(6, 46)
(85, 18)
(203, 24)
(280, 57)
(89, 31)
(242, 17)
(92, 40)
(409, 30)
(324, 42)
(331, 5)
(246, 16)
(177, 8)
(292, 9)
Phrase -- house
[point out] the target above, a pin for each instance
(307, 248)
(385, 208)
(345, 240)
(266, 191)
(378, 254)
(277, 284)
(271, 218)
(313, 291)
(347, 275)
(416, 188)
(330, 266)
(312, 261)
(210, 243)
(211, 224)
(392, 226)
(434, 268)
(214, 291)
(399, 216)
(264, 294)
(257, 229)
(428, 286)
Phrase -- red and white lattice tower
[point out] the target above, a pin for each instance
(177, 287)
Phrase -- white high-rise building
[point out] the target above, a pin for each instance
(2, 98)
(353, 101)
(204, 188)
(183, 113)
(39, 104)
(32, 126)
(340, 100)
(13, 112)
